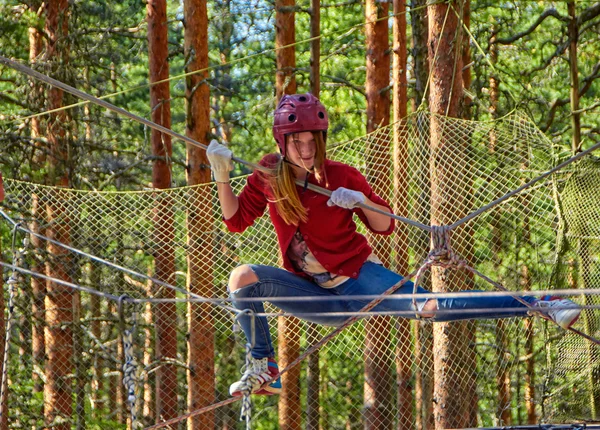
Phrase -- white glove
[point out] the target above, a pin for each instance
(219, 157)
(345, 198)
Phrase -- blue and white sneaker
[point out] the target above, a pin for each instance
(258, 372)
(562, 311)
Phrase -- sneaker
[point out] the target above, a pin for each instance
(258, 372)
(559, 310)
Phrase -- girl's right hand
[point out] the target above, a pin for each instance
(219, 157)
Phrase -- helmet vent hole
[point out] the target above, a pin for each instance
(302, 99)
(292, 118)
(321, 115)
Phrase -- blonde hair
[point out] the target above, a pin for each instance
(283, 183)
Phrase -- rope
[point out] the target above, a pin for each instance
(442, 255)
(12, 282)
(226, 64)
(34, 74)
(423, 100)
(108, 264)
(524, 186)
(306, 353)
(247, 382)
(130, 363)
(483, 54)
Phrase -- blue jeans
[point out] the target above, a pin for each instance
(373, 279)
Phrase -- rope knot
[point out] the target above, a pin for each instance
(441, 255)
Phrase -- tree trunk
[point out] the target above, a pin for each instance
(401, 204)
(423, 332)
(285, 34)
(38, 285)
(312, 333)
(149, 400)
(378, 388)
(574, 74)
(201, 340)
(3, 322)
(470, 382)
(503, 412)
(419, 24)
(290, 415)
(97, 383)
(164, 256)
(223, 82)
(59, 299)
(448, 203)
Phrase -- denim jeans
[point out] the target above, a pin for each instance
(373, 279)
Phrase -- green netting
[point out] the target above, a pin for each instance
(543, 238)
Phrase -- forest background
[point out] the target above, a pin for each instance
(525, 55)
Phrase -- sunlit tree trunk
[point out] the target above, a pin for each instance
(400, 206)
(201, 340)
(470, 379)
(290, 415)
(164, 256)
(4, 404)
(59, 299)
(449, 202)
(312, 333)
(423, 332)
(379, 381)
(38, 286)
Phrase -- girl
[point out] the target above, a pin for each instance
(323, 254)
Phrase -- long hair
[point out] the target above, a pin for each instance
(283, 183)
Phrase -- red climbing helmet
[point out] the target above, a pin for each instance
(296, 113)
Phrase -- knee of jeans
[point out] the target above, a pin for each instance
(240, 277)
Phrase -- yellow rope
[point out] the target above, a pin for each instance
(235, 61)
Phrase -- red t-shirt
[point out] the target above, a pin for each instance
(330, 231)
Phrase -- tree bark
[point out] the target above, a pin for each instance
(423, 332)
(312, 333)
(574, 75)
(400, 205)
(3, 322)
(503, 385)
(38, 286)
(290, 415)
(419, 24)
(59, 299)
(164, 256)
(201, 336)
(449, 202)
(378, 387)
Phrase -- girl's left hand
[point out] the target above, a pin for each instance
(345, 198)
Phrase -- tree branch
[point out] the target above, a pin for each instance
(547, 13)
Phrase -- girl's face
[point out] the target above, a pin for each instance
(301, 149)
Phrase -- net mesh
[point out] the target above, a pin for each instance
(383, 371)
